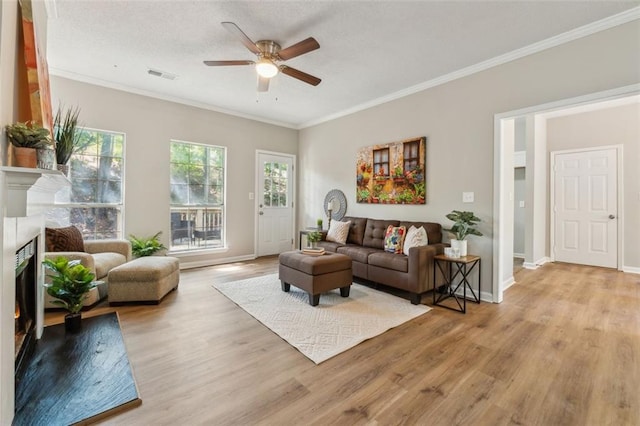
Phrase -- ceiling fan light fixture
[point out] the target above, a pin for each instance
(266, 68)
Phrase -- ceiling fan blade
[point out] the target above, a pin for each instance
(225, 63)
(235, 30)
(263, 84)
(302, 76)
(305, 46)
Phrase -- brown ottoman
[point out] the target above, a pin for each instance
(315, 274)
(146, 279)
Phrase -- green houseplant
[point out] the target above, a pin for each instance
(70, 283)
(26, 139)
(319, 223)
(141, 247)
(66, 135)
(464, 224)
(314, 237)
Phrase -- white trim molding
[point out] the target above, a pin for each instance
(212, 262)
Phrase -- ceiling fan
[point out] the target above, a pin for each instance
(269, 54)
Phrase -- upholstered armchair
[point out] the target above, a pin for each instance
(100, 256)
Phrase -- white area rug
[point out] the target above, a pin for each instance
(320, 332)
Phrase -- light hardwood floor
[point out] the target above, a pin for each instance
(562, 349)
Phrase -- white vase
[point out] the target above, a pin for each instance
(461, 245)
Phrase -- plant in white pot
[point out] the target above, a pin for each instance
(464, 224)
(313, 238)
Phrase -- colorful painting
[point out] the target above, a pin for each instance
(37, 71)
(392, 173)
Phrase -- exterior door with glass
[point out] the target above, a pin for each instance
(275, 203)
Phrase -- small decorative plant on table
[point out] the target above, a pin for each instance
(464, 224)
(313, 238)
(319, 223)
(70, 283)
(141, 247)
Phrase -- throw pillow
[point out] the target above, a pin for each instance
(416, 237)
(394, 238)
(338, 231)
(64, 239)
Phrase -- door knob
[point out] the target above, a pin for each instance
(611, 216)
(261, 213)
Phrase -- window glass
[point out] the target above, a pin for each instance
(197, 184)
(94, 202)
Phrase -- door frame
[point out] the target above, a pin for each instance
(502, 163)
(619, 197)
(256, 191)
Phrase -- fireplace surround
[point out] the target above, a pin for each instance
(25, 195)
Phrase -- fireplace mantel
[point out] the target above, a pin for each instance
(19, 180)
(25, 195)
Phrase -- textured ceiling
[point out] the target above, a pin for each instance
(369, 49)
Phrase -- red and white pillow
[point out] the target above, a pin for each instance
(394, 239)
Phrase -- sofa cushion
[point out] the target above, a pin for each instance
(329, 246)
(394, 239)
(105, 262)
(338, 231)
(356, 230)
(357, 253)
(434, 230)
(389, 261)
(64, 239)
(416, 237)
(375, 231)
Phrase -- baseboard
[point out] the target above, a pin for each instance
(631, 269)
(537, 263)
(518, 255)
(212, 262)
(508, 283)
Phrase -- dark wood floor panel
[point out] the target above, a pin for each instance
(563, 348)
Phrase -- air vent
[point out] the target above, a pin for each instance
(162, 74)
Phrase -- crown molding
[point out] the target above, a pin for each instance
(566, 37)
(124, 88)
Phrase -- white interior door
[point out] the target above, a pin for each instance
(585, 211)
(275, 203)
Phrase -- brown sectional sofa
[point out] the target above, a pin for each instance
(365, 247)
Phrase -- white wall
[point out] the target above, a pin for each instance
(612, 126)
(149, 125)
(458, 118)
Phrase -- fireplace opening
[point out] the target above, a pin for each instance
(25, 308)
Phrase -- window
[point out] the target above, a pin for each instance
(276, 183)
(381, 162)
(94, 203)
(411, 155)
(197, 196)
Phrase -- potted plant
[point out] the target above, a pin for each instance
(26, 139)
(66, 135)
(313, 238)
(319, 223)
(141, 247)
(464, 224)
(70, 283)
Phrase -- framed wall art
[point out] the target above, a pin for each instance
(392, 173)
